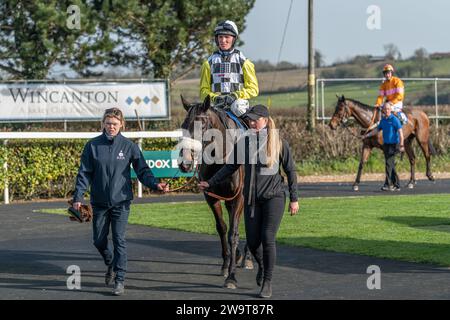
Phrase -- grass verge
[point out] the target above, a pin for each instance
(408, 228)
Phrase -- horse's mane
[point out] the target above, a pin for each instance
(361, 104)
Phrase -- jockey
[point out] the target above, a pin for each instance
(227, 76)
(393, 89)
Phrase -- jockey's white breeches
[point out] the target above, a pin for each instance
(398, 107)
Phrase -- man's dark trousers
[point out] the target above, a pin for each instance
(117, 218)
(390, 150)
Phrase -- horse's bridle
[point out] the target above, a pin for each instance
(207, 126)
(346, 114)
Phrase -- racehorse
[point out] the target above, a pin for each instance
(418, 126)
(230, 190)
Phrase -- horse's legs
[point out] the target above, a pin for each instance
(423, 143)
(364, 157)
(248, 258)
(412, 161)
(221, 228)
(234, 208)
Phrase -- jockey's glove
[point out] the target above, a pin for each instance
(226, 100)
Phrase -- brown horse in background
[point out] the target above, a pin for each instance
(229, 190)
(418, 127)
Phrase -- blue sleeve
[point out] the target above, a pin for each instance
(380, 126)
(398, 124)
(85, 173)
(143, 172)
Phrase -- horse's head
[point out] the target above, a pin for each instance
(341, 113)
(198, 116)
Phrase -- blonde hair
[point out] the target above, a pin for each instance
(114, 113)
(273, 143)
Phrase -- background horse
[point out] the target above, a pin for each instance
(229, 190)
(418, 127)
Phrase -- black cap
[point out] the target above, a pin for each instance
(256, 112)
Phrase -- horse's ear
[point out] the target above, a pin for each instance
(337, 96)
(186, 105)
(343, 98)
(206, 103)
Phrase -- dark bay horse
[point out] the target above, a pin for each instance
(418, 127)
(210, 119)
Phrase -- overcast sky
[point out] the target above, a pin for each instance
(341, 28)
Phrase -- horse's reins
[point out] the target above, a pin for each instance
(212, 194)
(372, 121)
(239, 188)
(184, 185)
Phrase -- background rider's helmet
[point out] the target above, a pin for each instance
(388, 67)
(227, 27)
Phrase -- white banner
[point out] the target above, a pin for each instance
(82, 101)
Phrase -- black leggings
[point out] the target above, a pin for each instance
(261, 231)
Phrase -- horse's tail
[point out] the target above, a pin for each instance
(431, 147)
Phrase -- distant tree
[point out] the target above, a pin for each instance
(352, 71)
(34, 36)
(161, 36)
(318, 59)
(285, 65)
(392, 52)
(361, 60)
(405, 70)
(263, 66)
(155, 37)
(422, 62)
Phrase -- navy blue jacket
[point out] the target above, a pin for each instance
(105, 166)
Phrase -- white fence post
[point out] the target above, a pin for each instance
(436, 102)
(139, 183)
(5, 167)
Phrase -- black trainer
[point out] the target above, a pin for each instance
(109, 275)
(119, 288)
(266, 290)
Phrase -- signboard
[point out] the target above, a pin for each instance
(163, 164)
(82, 100)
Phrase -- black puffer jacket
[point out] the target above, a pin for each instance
(267, 184)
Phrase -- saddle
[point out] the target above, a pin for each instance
(225, 113)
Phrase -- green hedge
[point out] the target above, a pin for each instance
(47, 168)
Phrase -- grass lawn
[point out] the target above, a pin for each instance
(375, 164)
(409, 228)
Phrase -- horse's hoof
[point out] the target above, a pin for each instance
(410, 185)
(224, 273)
(249, 264)
(355, 188)
(431, 178)
(230, 284)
